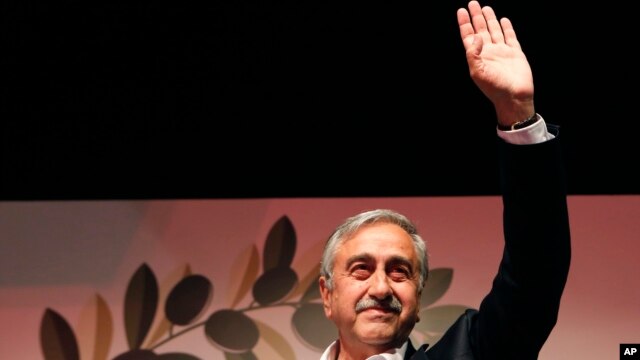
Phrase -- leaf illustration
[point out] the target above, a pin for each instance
(232, 331)
(312, 292)
(249, 355)
(312, 327)
(242, 281)
(274, 285)
(439, 318)
(437, 285)
(305, 285)
(280, 246)
(188, 299)
(137, 354)
(176, 356)
(311, 256)
(95, 329)
(308, 263)
(276, 341)
(141, 301)
(56, 338)
(161, 325)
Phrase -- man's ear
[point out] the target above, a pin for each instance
(326, 296)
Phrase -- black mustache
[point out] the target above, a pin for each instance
(392, 304)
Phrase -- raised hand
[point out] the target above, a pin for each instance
(496, 62)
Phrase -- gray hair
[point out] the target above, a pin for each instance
(351, 225)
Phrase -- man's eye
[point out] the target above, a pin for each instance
(360, 271)
(399, 273)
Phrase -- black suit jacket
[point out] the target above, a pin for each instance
(517, 316)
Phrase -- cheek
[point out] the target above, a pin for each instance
(409, 296)
(348, 293)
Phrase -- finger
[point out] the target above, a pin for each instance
(509, 33)
(466, 29)
(478, 21)
(493, 25)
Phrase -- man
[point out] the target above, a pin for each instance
(374, 266)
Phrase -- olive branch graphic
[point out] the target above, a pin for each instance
(231, 330)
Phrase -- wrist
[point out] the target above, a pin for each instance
(514, 111)
(520, 124)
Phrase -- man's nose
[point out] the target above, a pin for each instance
(379, 287)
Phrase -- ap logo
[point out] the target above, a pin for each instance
(630, 351)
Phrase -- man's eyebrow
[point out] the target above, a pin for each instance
(393, 260)
(400, 260)
(364, 257)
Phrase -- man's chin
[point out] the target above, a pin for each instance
(377, 333)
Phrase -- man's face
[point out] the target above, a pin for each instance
(378, 263)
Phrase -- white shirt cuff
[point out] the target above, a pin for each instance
(533, 134)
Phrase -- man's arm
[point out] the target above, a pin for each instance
(517, 316)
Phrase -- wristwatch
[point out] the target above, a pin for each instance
(521, 124)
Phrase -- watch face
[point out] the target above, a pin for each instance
(520, 124)
(530, 121)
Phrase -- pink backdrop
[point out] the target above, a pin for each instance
(60, 255)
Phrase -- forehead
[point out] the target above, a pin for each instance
(378, 239)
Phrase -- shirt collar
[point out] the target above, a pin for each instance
(393, 354)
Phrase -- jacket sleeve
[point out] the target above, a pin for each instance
(516, 317)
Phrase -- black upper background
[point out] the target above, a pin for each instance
(131, 100)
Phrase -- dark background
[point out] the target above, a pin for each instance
(132, 100)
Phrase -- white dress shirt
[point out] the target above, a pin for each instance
(331, 353)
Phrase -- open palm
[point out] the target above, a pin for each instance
(496, 62)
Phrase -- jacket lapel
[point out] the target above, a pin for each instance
(413, 354)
